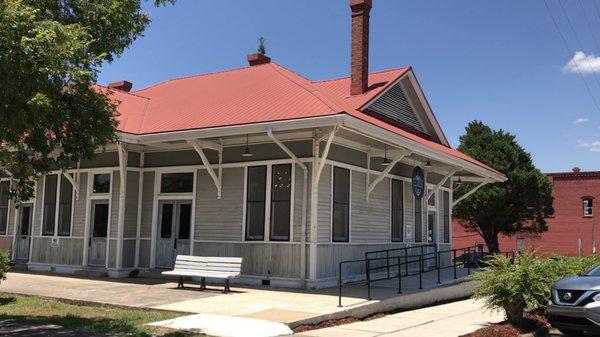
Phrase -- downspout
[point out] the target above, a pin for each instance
(304, 203)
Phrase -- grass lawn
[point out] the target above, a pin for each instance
(97, 318)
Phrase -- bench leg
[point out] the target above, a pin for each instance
(180, 284)
(226, 290)
(202, 284)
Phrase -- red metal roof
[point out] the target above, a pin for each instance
(249, 95)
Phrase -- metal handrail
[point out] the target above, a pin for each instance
(467, 259)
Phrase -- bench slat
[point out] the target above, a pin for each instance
(206, 266)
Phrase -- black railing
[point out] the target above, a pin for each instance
(472, 257)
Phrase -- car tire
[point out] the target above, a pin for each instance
(568, 332)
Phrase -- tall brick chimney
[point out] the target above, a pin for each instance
(359, 63)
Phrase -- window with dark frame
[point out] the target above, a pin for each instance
(281, 196)
(64, 207)
(4, 199)
(101, 183)
(177, 183)
(419, 220)
(341, 205)
(48, 224)
(100, 218)
(588, 207)
(446, 204)
(255, 203)
(397, 210)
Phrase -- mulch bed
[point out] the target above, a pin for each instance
(533, 321)
(335, 322)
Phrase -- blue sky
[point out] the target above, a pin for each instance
(501, 62)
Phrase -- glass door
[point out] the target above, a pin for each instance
(98, 235)
(23, 240)
(174, 221)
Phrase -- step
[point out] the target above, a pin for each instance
(18, 266)
(90, 273)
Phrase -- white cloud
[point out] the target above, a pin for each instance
(587, 64)
(593, 146)
(581, 120)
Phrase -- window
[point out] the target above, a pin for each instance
(63, 204)
(520, 245)
(397, 210)
(49, 204)
(419, 220)
(4, 198)
(64, 207)
(100, 218)
(446, 201)
(185, 220)
(255, 202)
(341, 205)
(281, 193)
(431, 200)
(101, 183)
(177, 183)
(588, 206)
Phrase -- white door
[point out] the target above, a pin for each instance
(174, 221)
(97, 240)
(24, 232)
(431, 237)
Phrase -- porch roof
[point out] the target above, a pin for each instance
(255, 95)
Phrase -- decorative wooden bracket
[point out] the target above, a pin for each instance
(466, 195)
(383, 173)
(199, 146)
(440, 184)
(320, 162)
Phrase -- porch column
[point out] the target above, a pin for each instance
(317, 168)
(122, 151)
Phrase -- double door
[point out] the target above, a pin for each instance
(174, 226)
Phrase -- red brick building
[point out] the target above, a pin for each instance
(570, 230)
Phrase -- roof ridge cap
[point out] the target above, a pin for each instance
(196, 75)
(309, 88)
(374, 72)
(122, 91)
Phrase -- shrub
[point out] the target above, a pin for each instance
(4, 264)
(524, 284)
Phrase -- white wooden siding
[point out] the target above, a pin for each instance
(370, 220)
(220, 219)
(79, 207)
(131, 205)
(147, 204)
(324, 210)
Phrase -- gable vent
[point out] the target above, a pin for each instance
(394, 105)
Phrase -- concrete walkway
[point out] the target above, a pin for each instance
(288, 306)
(447, 320)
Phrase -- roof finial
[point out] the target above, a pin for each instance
(261, 45)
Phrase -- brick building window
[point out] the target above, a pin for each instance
(588, 206)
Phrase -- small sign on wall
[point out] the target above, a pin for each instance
(418, 182)
(54, 242)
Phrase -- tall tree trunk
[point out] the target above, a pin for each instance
(491, 240)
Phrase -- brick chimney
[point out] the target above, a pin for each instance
(121, 85)
(258, 58)
(359, 63)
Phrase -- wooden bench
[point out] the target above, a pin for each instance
(206, 266)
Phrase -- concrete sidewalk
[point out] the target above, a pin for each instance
(287, 306)
(447, 320)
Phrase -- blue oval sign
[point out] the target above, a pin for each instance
(418, 182)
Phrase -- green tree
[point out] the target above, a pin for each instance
(520, 204)
(50, 53)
